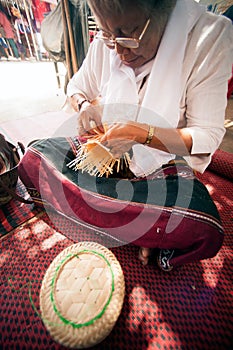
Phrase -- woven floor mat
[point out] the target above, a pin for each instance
(188, 308)
(15, 213)
(222, 164)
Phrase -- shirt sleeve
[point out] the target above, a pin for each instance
(206, 98)
(89, 77)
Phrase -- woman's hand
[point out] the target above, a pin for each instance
(89, 120)
(120, 137)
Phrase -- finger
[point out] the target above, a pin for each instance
(96, 123)
(94, 127)
(85, 124)
(83, 128)
(81, 131)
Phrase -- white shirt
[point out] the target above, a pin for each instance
(207, 66)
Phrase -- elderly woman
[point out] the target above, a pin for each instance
(153, 90)
(159, 71)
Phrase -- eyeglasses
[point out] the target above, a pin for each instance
(130, 43)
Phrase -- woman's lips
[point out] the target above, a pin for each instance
(129, 62)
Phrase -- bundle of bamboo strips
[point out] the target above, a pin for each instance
(96, 159)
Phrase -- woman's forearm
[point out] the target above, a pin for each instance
(175, 141)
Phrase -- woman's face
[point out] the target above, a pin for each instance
(131, 24)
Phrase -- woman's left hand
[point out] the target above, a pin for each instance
(120, 137)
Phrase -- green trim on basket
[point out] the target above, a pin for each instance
(63, 319)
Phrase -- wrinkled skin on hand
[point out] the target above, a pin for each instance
(120, 137)
(89, 120)
(119, 146)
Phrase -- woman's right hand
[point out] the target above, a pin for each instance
(89, 118)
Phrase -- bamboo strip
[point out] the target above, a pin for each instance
(97, 160)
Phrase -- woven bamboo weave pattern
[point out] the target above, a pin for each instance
(82, 295)
(83, 287)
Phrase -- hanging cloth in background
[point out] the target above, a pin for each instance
(40, 10)
(6, 24)
(22, 28)
(65, 34)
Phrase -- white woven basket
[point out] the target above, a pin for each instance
(82, 294)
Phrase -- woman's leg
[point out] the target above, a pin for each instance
(189, 225)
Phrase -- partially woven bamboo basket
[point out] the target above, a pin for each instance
(97, 160)
(82, 294)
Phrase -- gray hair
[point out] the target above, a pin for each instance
(160, 8)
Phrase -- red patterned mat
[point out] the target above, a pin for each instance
(222, 164)
(15, 213)
(188, 308)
